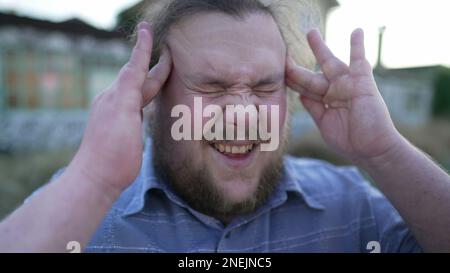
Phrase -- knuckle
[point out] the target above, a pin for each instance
(331, 65)
(97, 99)
(316, 83)
(125, 72)
(141, 52)
(310, 83)
(127, 76)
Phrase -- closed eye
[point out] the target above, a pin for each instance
(208, 92)
(267, 89)
(211, 89)
(206, 88)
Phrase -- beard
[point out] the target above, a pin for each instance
(195, 184)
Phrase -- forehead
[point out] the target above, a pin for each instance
(222, 44)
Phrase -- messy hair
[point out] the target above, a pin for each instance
(293, 17)
(177, 10)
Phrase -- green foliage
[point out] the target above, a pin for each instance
(21, 174)
(441, 99)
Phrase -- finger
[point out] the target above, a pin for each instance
(331, 66)
(302, 91)
(357, 45)
(358, 61)
(339, 96)
(315, 109)
(302, 79)
(134, 72)
(157, 76)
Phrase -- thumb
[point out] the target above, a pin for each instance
(157, 76)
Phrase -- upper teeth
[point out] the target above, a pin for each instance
(233, 149)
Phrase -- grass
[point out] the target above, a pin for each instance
(433, 139)
(21, 174)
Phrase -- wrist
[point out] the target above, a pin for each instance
(79, 172)
(396, 152)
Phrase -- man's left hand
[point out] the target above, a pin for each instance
(344, 100)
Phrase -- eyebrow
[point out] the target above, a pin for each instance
(213, 80)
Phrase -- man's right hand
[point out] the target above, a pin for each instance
(110, 154)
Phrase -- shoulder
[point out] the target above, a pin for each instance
(320, 178)
(345, 193)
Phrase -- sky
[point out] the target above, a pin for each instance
(100, 13)
(416, 32)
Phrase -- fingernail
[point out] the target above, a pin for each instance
(317, 31)
(144, 25)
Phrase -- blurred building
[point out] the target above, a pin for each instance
(408, 93)
(49, 73)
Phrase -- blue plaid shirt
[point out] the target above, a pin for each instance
(317, 207)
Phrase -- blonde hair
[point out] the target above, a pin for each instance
(294, 18)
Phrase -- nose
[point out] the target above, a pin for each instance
(240, 110)
(242, 96)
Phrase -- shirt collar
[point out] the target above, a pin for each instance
(292, 181)
(147, 181)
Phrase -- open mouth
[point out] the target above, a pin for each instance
(235, 150)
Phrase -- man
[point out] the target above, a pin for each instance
(230, 195)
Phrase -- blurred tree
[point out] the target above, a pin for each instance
(128, 18)
(441, 100)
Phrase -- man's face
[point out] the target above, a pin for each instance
(225, 61)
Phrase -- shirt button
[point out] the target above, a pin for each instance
(227, 236)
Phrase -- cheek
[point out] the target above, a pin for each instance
(279, 100)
